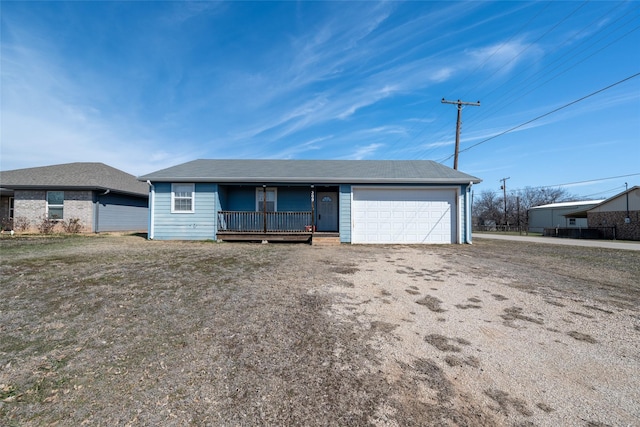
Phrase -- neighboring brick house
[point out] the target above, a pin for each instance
(620, 213)
(102, 198)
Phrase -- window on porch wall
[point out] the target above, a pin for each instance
(271, 199)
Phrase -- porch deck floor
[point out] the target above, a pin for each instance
(303, 236)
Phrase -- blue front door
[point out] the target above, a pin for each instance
(327, 211)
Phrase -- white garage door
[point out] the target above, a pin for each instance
(403, 216)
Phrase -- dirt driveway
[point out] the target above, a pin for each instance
(117, 330)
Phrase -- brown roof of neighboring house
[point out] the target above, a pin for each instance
(74, 176)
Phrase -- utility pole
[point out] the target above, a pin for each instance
(503, 187)
(458, 123)
(627, 219)
(518, 203)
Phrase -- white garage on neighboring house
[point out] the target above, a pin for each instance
(350, 201)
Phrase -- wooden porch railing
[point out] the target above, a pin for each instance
(264, 222)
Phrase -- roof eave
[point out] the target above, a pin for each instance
(315, 180)
(72, 188)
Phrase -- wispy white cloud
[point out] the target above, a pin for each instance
(386, 130)
(436, 144)
(182, 13)
(338, 46)
(502, 58)
(300, 149)
(48, 117)
(363, 152)
(335, 45)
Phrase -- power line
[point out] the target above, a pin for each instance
(591, 180)
(563, 60)
(578, 182)
(583, 41)
(521, 94)
(544, 115)
(618, 188)
(519, 31)
(424, 152)
(535, 41)
(587, 37)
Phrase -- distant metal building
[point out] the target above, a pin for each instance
(553, 215)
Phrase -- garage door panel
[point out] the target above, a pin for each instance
(403, 216)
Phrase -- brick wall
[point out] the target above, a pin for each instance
(32, 205)
(78, 204)
(624, 231)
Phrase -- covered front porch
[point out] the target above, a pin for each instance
(277, 213)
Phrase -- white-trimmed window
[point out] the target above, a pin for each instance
(182, 198)
(11, 207)
(55, 204)
(271, 193)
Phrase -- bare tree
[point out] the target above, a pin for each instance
(531, 197)
(489, 206)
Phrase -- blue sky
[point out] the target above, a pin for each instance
(146, 85)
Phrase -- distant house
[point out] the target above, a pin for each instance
(621, 213)
(101, 197)
(553, 215)
(352, 201)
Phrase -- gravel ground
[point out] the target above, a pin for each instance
(533, 348)
(117, 330)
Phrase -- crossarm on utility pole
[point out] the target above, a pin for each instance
(458, 123)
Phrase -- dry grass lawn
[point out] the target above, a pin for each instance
(118, 330)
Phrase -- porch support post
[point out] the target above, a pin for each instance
(264, 208)
(312, 209)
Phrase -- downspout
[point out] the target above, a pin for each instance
(97, 215)
(97, 210)
(152, 194)
(469, 219)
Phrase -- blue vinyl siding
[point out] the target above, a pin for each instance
(223, 194)
(243, 198)
(199, 225)
(240, 199)
(345, 213)
(294, 199)
(118, 212)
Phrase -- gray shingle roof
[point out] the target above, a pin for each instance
(312, 171)
(79, 176)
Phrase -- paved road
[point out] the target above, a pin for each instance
(562, 241)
